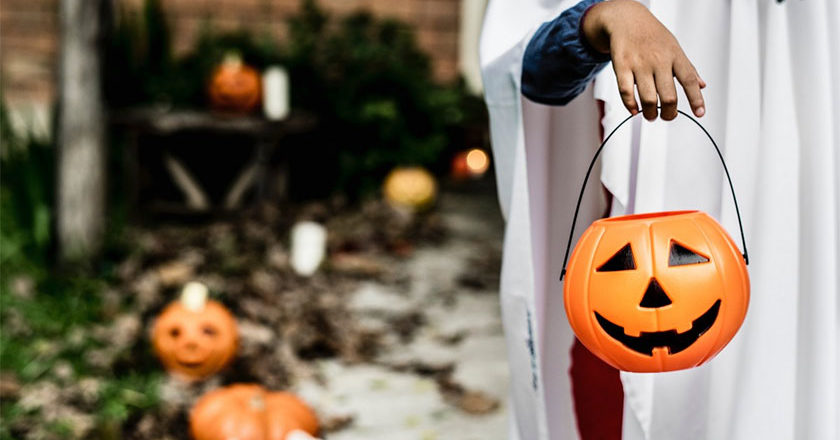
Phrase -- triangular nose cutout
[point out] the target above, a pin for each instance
(654, 297)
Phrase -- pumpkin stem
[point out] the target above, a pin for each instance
(233, 59)
(194, 296)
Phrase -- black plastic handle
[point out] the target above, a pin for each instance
(598, 153)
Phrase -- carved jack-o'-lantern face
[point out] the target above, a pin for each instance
(195, 339)
(235, 87)
(656, 292)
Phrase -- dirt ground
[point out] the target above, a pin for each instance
(397, 336)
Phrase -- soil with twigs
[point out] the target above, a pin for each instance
(287, 323)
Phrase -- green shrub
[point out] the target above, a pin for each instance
(138, 58)
(26, 197)
(41, 309)
(373, 89)
(140, 69)
(366, 80)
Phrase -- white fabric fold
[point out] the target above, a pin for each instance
(773, 105)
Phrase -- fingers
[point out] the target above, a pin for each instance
(664, 80)
(647, 94)
(626, 88)
(657, 88)
(691, 83)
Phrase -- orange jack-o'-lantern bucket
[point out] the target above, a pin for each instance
(659, 291)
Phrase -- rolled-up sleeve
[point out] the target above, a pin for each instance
(558, 62)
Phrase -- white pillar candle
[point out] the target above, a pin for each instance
(309, 247)
(275, 92)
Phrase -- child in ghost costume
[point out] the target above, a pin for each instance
(771, 71)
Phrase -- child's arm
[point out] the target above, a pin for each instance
(559, 62)
(643, 51)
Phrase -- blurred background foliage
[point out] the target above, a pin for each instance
(377, 104)
(365, 78)
(26, 197)
(46, 314)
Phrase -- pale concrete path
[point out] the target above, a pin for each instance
(461, 328)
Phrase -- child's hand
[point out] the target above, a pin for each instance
(646, 54)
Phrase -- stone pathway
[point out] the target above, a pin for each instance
(459, 338)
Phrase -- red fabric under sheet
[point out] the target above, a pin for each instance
(596, 386)
(597, 394)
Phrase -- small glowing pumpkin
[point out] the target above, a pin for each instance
(235, 87)
(249, 412)
(410, 187)
(194, 337)
(656, 292)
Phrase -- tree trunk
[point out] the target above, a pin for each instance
(81, 164)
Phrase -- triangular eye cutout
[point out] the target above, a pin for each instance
(681, 255)
(622, 260)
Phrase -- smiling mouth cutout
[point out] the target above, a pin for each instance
(673, 341)
(191, 364)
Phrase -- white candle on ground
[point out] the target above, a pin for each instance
(309, 247)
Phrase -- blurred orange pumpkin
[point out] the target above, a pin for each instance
(235, 87)
(195, 337)
(410, 187)
(249, 412)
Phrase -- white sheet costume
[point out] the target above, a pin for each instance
(773, 105)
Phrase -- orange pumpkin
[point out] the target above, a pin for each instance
(656, 292)
(249, 412)
(195, 337)
(235, 87)
(410, 187)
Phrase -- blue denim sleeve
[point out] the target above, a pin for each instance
(559, 62)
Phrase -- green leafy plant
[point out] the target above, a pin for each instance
(138, 58)
(373, 89)
(46, 315)
(26, 196)
(140, 69)
(365, 79)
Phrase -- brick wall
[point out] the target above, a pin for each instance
(28, 55)
(29, 33)
(435, 21)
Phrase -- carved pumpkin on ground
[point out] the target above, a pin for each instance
(249, 412)
(194, 337)
(234, 87)
(656, 292)
(410, 187)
